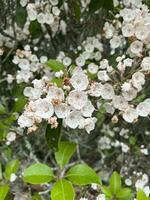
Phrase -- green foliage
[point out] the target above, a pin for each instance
(115, 182)
(4, 189)
(97, 4)
(106, 190)
(2, 109)
(65, 151)
(55, 65)
(77, 10)
(82, 174)
(53, 136)
(11, 167)
(36, 197)
(35, 29)
(142, 196)
(115, 190)
(37, 174)
(62, 190)
(20, 16)
(19, 104)
(124, 194)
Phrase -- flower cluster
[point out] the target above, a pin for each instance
(28, 64)
(49, 102)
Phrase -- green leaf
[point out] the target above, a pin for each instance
(124, 194)
(2, 109)
(65, 151)
(77, 10)
(19, 104)
(11, 167)
(141, 195)
(36, 197)
(82, 174)
(37, 174)
(53, 136)
(115, 182)
(55, 65)
(106, 191)
(20, 16)
(62, 190)
(57, 81)
(97, 4)
(4, 191)
(35, 29)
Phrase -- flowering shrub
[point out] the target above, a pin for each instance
(75, 103)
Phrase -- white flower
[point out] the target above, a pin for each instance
(145, 65)
(49, 18)
(143, 109)
(13, 177)
(80, 61)
(142, 32)
(88, 109)
(43, 59)
(41, 18)
(139, 184)
(128, 30)
(130, 115)
(115, 42)
(10, 78)
(38, 83)
(62, 110)
(128, 14)
(102, 75)
(95, 89)
(73, 119)
(93, 68)
(67, 61)
(119, 102)
(32, 93)
(25, 121)
(94, 186)
(124, 147)
(128, 182)
(31, 10)
(87, 123)
(23, 76)
(128, 62)
(136, 47)
(59, 74)
(101, 197)
(138, 79)
(107, 91)
(109, 108)
(42, 108)
(23, 3)
(55, 93)
(89, 48)
(79, 81)
(104, 64)
(144, 151)
(54, 2)
(11, 136)
(130, 94)
(147, 190)
(24, 64)
(56, 11)
(77, 99)
(126, 86)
